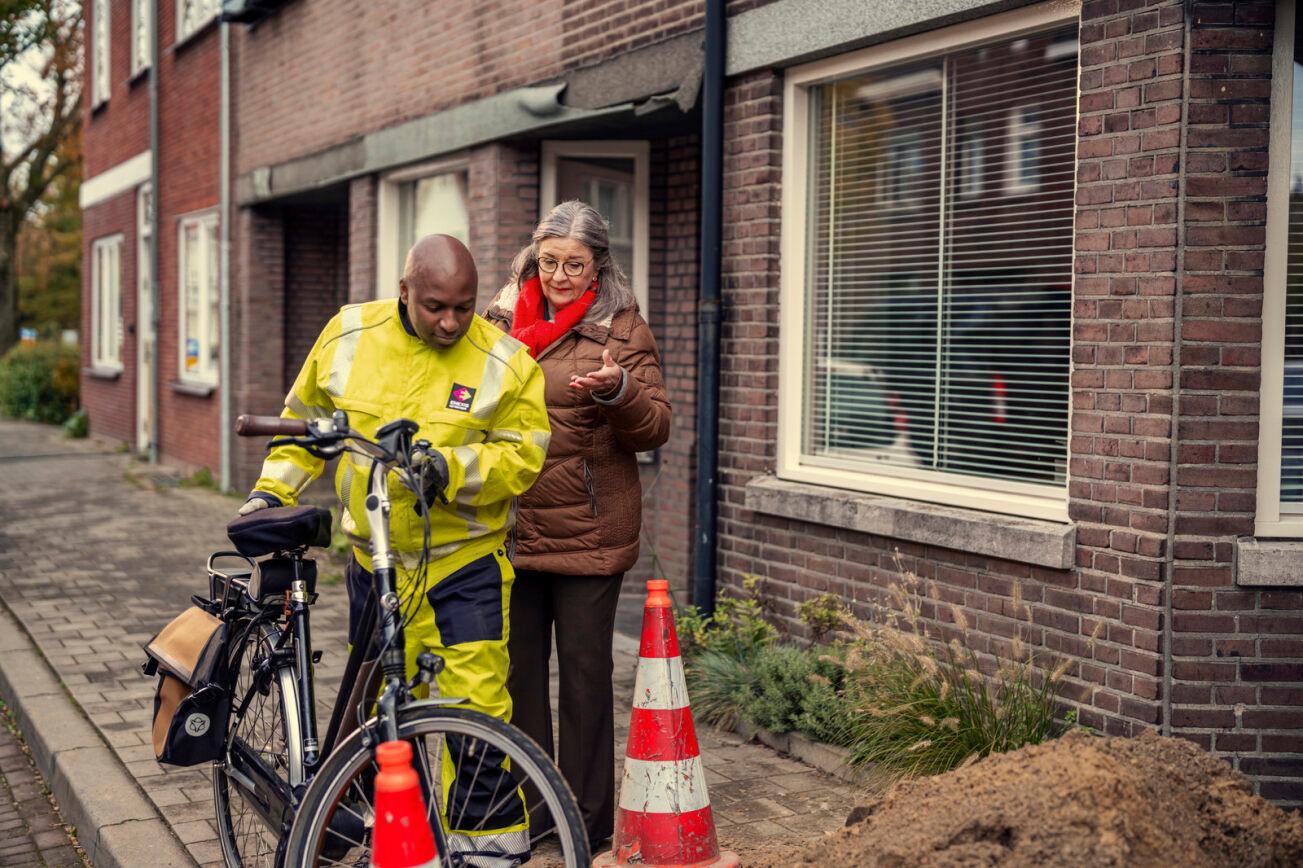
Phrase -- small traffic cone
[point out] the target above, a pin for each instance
(402, 837)
(664, 817)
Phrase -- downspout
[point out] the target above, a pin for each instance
(224, 390)
(156, 198)
(706, 483)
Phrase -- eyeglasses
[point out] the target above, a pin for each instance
(572, 267)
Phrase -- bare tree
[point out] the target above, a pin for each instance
(40, 108)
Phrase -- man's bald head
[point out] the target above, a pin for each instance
(438, 287)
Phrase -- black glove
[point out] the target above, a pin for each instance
(434, 482)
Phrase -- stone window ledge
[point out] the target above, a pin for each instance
(197, 390)
(1269, 563)
(1025, 540)
(102, 373)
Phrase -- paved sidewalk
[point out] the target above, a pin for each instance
(98, 550)
(31, 831)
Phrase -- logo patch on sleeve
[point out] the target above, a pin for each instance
(461, 397)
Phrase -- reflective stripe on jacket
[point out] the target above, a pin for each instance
(480, 402)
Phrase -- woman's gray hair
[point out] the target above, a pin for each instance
(581, 222)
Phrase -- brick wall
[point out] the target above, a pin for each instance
(672, 298)
(316, 278)
(1237, 676)
(188, 160)
(1129, 137)
(315, 74)
(258, 333)
(362, 239)
(111, 403)
(503, 182)
(118, 129)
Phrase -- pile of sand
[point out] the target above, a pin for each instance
(1080, 800)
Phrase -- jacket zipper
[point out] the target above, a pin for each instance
(592, 491)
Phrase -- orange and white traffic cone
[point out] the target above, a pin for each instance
(402, 837)
(664, 817)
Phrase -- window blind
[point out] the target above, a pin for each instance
(1291, 458)
(939, 264)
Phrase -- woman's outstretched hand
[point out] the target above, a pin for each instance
(602, 381)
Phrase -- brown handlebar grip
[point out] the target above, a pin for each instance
(271, 426)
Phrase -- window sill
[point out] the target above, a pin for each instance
(1269, 563)
(1025, 540)
(102, 373)
(140, 75)
(197, 390)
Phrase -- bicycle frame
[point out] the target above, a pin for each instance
(381, 626)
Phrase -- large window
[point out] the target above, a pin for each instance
(198, 259)
(424, 200)
(99, 53)
(106, 304)
(1280, 448)
(142, 27)
(928, 272)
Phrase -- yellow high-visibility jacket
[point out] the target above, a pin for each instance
(480, 402)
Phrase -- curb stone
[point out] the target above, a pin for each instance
(827, 758)
(116, 823)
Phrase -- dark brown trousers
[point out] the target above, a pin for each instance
(582, 609)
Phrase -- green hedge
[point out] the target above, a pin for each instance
(39, 382)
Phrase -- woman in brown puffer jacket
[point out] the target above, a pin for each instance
(578, 527)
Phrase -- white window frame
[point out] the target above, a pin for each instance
(999, 496)
(101, 62)
(388, 219)
(640, 153)
(106, 299)
(214, 7)
(207, 221)
(1020, 128)
(1270, 520)
(141, 58)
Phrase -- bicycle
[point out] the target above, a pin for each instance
(285, 798)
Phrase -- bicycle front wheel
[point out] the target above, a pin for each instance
(490, 817)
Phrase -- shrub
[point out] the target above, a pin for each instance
(826, 714)
(717, 687)
(77, 425)
(737, 628)
(823, 614)
(39, 382)
(780, 682)
(921, 707)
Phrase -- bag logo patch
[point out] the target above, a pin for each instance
(461, 397)
(197, 724)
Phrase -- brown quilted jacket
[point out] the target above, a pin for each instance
(584, 513)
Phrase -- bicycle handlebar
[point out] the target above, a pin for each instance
(270, 426)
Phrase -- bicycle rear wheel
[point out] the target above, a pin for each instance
(459, 756)
(262, 760)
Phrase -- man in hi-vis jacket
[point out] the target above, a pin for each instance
(478, 398)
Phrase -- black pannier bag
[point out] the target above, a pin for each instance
(191, 702)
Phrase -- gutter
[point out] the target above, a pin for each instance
(706, 481)
(155, 278)
(225, 392)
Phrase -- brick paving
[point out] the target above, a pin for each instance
(98, 550)
(31, 831)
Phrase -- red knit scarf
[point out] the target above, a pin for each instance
(528, 324)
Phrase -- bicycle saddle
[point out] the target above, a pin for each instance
(278, 529)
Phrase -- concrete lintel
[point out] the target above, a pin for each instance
(1270, 563)
(788, 32)
(512, 113)
(1025, 540)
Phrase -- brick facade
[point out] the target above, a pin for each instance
(188, 161)
(1168, 252)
